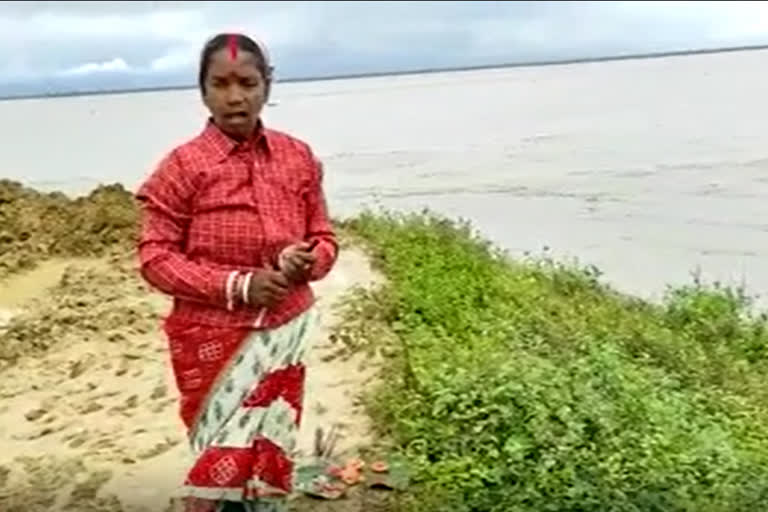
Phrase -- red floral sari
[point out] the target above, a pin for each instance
(241, 399)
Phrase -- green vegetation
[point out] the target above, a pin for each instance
(531, 386)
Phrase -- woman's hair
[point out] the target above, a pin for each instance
(236, 42)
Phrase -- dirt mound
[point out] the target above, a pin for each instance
(87, 301)
(36, 225)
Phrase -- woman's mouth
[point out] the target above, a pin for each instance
(236, 117)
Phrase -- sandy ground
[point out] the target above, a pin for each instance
(88, 410)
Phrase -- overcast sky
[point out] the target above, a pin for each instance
(62, 45)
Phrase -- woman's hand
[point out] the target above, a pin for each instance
(267, 288)
(296, 262)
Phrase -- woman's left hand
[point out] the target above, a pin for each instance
(296, 262)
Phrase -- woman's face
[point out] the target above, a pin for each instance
(235, 92)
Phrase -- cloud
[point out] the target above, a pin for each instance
(41, 40)
(116, 64)
(173, 60)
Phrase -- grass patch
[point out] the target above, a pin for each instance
(531, 386)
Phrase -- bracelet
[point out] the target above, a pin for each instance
(231, 283)
(236, 293)
(238, 288)
(246, 287)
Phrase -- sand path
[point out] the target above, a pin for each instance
(89, 422)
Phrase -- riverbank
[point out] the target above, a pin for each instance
(530, 385)
(511, 385)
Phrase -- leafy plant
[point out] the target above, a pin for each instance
(531, 386)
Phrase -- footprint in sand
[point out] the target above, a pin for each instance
(9, 393)
(158, 449)
(41, 432)
(123, 368)
(130, 403)
(79, 367)
(162, 406)
(35, 414)
(77, 440)
(109, 394)
(160, 391)
(4, 474)
(116, 337)
(89, 407)
(105, 443)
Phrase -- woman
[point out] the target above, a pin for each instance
(234, 228)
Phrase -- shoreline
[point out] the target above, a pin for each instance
(409, 72)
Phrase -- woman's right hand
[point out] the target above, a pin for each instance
(267, 288)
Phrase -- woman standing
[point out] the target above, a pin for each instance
(234, 228)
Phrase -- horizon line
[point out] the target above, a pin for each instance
(404, 72)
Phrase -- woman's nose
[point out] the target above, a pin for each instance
(234, 95)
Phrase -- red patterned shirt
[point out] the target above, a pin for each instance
(214, 207)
